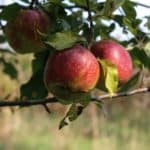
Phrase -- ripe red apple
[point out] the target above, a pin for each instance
(22, 32)
(116, 54)
(75, 68)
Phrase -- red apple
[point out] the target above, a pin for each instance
(75, 68)
(117, 55)
(22, 32)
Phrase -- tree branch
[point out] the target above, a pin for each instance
(91, 21)
(140, 4)
(121, 94)
(26, 103)
(47, 108)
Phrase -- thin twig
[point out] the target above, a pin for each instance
(91, 22)
(140, 4)
(47, 108)
(121, 94)
(26, 103)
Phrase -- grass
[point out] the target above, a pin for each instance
(36, 130)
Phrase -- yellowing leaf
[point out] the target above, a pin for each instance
(110, 76)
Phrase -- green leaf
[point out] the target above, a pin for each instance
(10, 12)
(118, 3)
(56, 10)
(39, 61)
(119, 19)
(129, 23)
(35, 88)
(63, 40)
(108, 8)
(109, 79)
(127, 86)
(79, 2)
(140, 58)
(129, 9)
(2, 39)
(66, 96)
(9, 68)
(65, 25)
(111, 6)
(130, 20)
(73, 113)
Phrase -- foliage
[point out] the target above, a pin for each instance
(69, 25)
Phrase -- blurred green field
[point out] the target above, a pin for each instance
(34, 129)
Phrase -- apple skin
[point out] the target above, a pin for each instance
(22, 32)
(117, 55)
(75, 68)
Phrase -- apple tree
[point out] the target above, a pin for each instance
(76, 50)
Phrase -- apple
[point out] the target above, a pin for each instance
(117, 55)
(75, 68)
(22, 32)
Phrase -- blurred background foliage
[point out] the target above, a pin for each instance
(126, 123)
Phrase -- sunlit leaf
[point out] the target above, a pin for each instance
(129, 9)
(109, 76)
(63, 40)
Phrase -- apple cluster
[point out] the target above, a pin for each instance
(76, 67)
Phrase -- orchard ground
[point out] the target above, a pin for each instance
(34, 129)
